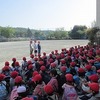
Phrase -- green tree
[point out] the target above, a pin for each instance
(29, 33)
(7, 32)
(78, 32)
(91, 34)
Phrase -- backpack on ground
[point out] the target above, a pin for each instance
(3, 91)
(70, 93)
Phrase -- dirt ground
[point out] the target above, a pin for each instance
(19, 49)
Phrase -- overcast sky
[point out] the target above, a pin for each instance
(47, 14)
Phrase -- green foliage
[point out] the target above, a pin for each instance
(29, 33)
(6, 31)
(91, 34)
(78, 32)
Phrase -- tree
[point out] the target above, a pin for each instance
(29, 33)
(7, 32)
(91, 34)
(78, 32)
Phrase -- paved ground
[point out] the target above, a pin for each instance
(8, 50)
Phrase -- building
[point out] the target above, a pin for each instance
(98, 13)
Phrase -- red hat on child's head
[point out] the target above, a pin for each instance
(6, 68)
(30, 66)
(32, 56)
(17, 63)
(94, 87)
(69, 77)
(94, 78)
(41, 63)
(63, 68)
(44, 53)
(14, 74)
(53, 65)
(18, 79)
(37, 77)
(24, 58)
(35, 73)
(6, 63)
(43, 68)
(72, 64)
(48, 89)
(51, 60)
(13, 59)
(29, 62)
(2, 76)
(81, 70)
(62, 55)
(63, 61)
(36, 59)
(88, 67)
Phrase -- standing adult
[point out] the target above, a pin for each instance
(35, 48)
(39, 48)
(31, 46)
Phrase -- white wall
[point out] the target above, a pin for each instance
(98, 13)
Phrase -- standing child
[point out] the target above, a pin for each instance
(39, 48)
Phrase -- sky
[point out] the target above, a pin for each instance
(47, 14)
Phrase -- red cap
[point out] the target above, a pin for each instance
(18, 79)
(94, 78)
(14, 74)
(43, 68)
(63, 68)
(24, 58)
(44, 53)
(6, 68)
(6, 63)
(91, 61)
(32, 56)
(27, 98)
(29, 62)
(36, 59)
(30, 67)
(88, 67)
(81, 70)
(69, 77)
(62, 55)
(63, 61)
(35, 73)
(41, 63)
(39, 55)
(51, 60)
(17, 63)
(13, 59)
(94, 87)
(72, 64)
(48, 89)
(53, 65)
(37, 77)
(2, 76)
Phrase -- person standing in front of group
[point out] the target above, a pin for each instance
(31, 47)
(35, 48)
(39, 48)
